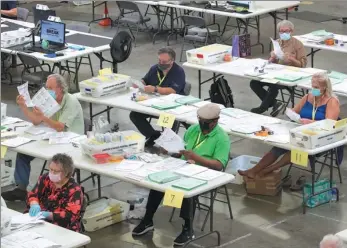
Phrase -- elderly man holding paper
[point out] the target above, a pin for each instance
(68, 118)
(206, 144)
(287, 51)
(319, 104)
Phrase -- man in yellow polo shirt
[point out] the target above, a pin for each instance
(207, 144)
(68, 118)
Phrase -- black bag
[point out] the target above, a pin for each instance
(221, 93)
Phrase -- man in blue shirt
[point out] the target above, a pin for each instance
(164, 78)
(9, 9)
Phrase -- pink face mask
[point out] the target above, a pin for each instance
(54, 177)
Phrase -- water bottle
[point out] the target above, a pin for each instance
(333, 195)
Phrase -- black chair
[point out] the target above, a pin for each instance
(22, 14)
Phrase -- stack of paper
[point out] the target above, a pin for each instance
(15, 142)
(337, 75)
(24, 221)
(190, 170)
(25, 239)
(168, 164)
(208, 175)
(10, 120)
(203, 103)
(188, 100)
(140, 174)
(62, 137)
(162, 105)
(182, 110)
(163, 177)
(170, 141)
(188, 183)
(235, 113)
(129, 165)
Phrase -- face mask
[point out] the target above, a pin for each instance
(52, 93)
(285, 36)
(204, 126)
(315, 92)
(164, 67)
(54, 177)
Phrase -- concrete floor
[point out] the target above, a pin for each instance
(258, 221)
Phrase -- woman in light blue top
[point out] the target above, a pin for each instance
(319, 104)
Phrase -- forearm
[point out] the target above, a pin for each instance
(30, 115)
(58, 126)
(296, 63)
(165, 90)
(11, 13)
(211, 164)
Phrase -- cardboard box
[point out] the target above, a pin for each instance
(210, 54)
(103, 213)
(268, 185)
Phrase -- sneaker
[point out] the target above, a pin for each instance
(277, 108)
(258, 110)
(15, 195)
(184, 237)
(143, 228)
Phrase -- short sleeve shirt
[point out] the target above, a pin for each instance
(175, 78)
(215, 145)
(8, 5)
(70, 114)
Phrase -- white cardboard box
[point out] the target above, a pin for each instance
(317, 134)
(103, 213)
(208, 54)
(7, 175)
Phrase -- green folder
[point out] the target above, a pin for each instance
(166, 105)
(337, 75)
(188, 183)
(163, 177)
(335, 81)
(188, 100)
(288, 78)
(321, 32)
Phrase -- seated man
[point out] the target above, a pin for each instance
(9, 9)
(207, 144)
(294, 55)
(68, 118)
(165, 78)
(57, 196)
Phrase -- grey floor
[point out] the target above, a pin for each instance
(258, 221)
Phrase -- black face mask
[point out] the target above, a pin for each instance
(204, 125)
(163, 67)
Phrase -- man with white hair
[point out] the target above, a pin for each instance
(68, 118)
(294, 54)
(331, 241)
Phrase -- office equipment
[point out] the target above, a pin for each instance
(208, 54)
(54, 33)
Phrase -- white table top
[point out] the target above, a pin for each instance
(342, 235)
(334, 48)
(54, 233)
(68, 53)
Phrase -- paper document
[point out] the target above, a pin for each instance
(188, 183)
(281, 138)
(277, 49)
(167, 164)
(129, 165)
(15, 142)
(45, 102)
(181, 110)
(292, 115)
(23, 90)
(190, 170)
(62, 137)
(137, 83)
(208, 175)
(236, 113)
(10, 120)
(140, 174)
(22, 236)
(170, 141)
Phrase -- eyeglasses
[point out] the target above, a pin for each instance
(54, 171)
(285, 31)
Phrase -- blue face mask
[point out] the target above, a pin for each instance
(285, 36)
(315, 92)
(52, 93)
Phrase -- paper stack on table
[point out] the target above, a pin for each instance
(190, 170)
(24, 221)
(26, 239)
(129, 165)
(15, 142)
(167, 164)
(170, 141)
(10, 120)
(208, 175)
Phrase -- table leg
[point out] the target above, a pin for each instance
(287, 13)
(172, 25)
(199, 77)
(76, 74)
(91, 113)
(78, 176)
(312, 55)
(211, 210)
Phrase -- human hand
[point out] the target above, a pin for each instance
(34, 209)
(20, 101)
(38, 113)
(287, 57)
(46, 214)
(149, 88)
(305, 121)
(191, 161)
(188, 154)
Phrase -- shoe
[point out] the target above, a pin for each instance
(15, 195)
(258, 110)
(184, 237)
(150, 142)
(277, 108)
(143, 228)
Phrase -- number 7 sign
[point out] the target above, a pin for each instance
(173, 198)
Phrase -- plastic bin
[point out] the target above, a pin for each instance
(243, 162)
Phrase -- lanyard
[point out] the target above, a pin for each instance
(198, 142)
(160, 79)
(314, 109)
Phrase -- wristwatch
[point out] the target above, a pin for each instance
(155, 89)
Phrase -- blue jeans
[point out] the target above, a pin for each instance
(22, 170)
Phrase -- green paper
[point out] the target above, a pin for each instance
(321, 32)
(165, 106)
(163, 177)
(288, 78)
(3, 127)
(188, 100)
(188, 183)
(337, 75)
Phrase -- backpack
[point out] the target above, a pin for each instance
(221, 93)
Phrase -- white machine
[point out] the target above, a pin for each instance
(119, 143)
(208, 54)
(15, 37)
(3, 110)
(104, 85)
(317, 134)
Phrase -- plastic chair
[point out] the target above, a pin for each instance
(126, 8)
(196, 31)
(22, 14)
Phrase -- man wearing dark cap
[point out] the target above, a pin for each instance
(207, 144)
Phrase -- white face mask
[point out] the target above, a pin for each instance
(55, 178)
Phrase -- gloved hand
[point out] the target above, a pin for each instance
(45, 214)
(34, 209)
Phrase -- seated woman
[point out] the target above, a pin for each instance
(57, 196)
(319, 104)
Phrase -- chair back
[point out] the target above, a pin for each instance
(40, 14)
(193, 21)
(78, 27)
(29, 61)
(22, 14)
(187, 89)
(127, 5)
